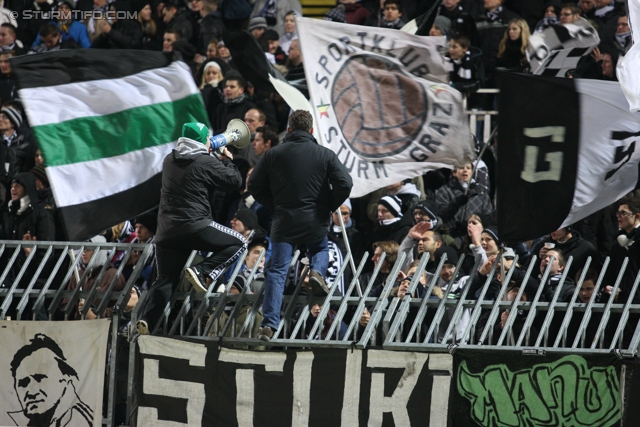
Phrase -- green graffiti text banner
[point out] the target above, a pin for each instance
(569, 391)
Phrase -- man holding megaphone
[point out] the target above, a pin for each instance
(190, 175)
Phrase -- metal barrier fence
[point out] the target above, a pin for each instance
(39, 284)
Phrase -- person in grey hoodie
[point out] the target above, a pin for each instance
(189, 178)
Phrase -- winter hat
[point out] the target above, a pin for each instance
(393, 204)
(347, 203)
(149, 220)
(138, 5)
(508, 253)
(103, 255)
(39, 173)
(443, 23)
(429, 207)
(196, 131)
(336, 14)
(69, 3)
(14, 116)
(493, 232)
(257, 22)
(210, 64)
(452, 255)
(248, 218)
(271, 35)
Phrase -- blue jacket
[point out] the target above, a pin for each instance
(76, 31)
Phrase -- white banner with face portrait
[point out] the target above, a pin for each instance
(52, 373)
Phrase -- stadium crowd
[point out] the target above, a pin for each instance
(442, 212)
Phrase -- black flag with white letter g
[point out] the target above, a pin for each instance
(538, 144)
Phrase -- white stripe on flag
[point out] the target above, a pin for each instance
(629, 65)
(55, 104)
(87, 181)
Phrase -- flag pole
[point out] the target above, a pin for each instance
(348, 246)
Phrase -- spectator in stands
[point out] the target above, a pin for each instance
(290, 34)
(51, 40)
(555, 274)
(8, 84)
(355, 12)
(151, 36)
(244, 222)
(211, 25)
(460, 197)
(406, 191)
(463, 76)
(490, 243)
(120, 33)
(390, 249)
(601, 65)
(224, 54)
(273, 49)
(264, 141)
(323, 330)
(551, 16)
(100, 8)
(8, 41)
(622, 40)
(585, 295)
(295, 66)
(512, 52)
(257, 27)
(571, 244)
(254, 118)
(189, 178)
(513, 288)
(209, 87)
(145, 229)
(92, 271)
(25, 219)
(19, 139)
(391, 15)
(47, 201)
(606, 19)
(176, 17)
(69, 27)
(491, 28)
(461, 21)
(626, 246)
(569, 13)
(298, 193)
(441, 26)
(274, 12)
(391, 223)
(170, 37)
(235, 103)
(265, 217)
(353, 235)
(256, 246)
(587, 8)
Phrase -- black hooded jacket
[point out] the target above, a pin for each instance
(302, 183)
(189, 178)
(33, 220)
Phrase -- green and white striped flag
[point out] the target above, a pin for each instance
(105, 120)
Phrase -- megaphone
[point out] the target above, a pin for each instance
(237, 134)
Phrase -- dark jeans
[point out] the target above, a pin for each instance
(226, 244)
(276, 275)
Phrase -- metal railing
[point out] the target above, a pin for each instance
(38, 283)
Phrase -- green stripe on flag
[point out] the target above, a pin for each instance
(93, 138)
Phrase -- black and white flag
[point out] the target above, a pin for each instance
(558, 48)
(52, 373)
(567, 148)
(382, 102)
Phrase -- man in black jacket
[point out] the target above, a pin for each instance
(302, 183)
(189, 177)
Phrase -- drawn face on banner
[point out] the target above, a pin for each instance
(40, 391)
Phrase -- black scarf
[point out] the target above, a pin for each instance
(495, 15)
